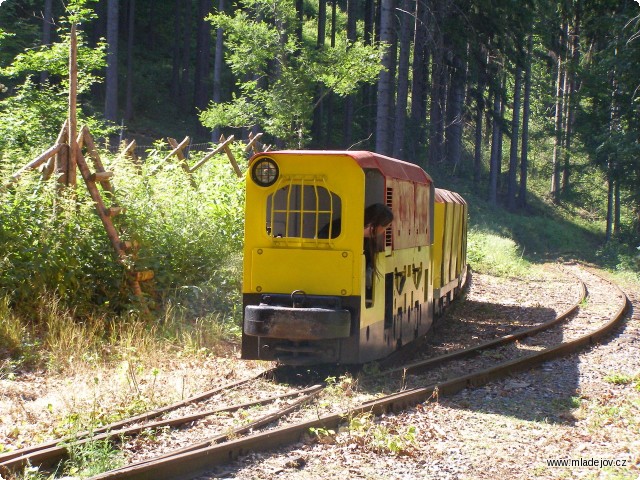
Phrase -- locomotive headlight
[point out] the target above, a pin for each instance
(265, 172)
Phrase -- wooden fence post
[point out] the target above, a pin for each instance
(232, 159)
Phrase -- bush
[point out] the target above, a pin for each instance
(190, 237)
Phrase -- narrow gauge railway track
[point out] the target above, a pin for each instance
(578, 326)
(178, 415)
(187, 462)
(586, 331)
(411, 366)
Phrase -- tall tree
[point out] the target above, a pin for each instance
(571, 83)
(419, 78)
(317, 130)
(455, 105)
(481, 56)
(406, 26)
(349, 104)
(558, 133)
(526, 110)
(284, 105)
(384, 124)
(217, 69)
(515, 132)
(438, 91)
(128, 109)
(496, 134)
(111, 78)
(203, 55)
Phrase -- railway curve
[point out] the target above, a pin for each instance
(414, 388)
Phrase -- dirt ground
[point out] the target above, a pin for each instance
(583, 410)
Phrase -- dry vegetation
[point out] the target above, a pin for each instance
(580, 408)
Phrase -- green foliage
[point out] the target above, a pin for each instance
(32, 114)
(91, 458)
(490, 253)
(382, 436)
(280, 74)
(190, 237)
(62, 249)
(619, 378)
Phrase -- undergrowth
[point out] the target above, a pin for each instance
(64, 299)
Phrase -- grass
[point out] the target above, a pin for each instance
(60, 342)
(618, 379)
(500, 256)
(199, 304)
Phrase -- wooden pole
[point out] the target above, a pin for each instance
(73, 120)
(176, 149)
(217, 150)
(52, 151)
(232, 158)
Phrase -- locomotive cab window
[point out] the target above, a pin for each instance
(302, 210)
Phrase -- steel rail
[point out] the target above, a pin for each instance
(49, 456)
(422, 365)
(120, 423)
(261, 422)
(190, 464)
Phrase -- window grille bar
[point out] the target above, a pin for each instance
(388, 233)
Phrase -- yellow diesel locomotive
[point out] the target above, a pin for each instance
(315, 289)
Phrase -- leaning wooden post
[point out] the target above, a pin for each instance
(51, 152)
(73, 120)
(232, 158)
(253, 142)
(217, 150)
(182, 160)
(47, 168)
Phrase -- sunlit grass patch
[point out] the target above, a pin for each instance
(500, 256)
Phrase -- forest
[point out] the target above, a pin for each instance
(121, 284)
(517, 97)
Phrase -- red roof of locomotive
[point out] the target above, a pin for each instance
(390, 167)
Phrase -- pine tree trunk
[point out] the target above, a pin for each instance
(111, 78)
(617, 228)
(494, 163)
(128, 109)
(526, 109)
(384, 112)
(420, 78)
(455, 106)
(557, 140)
(368, 90)
(503, 106)
(203, 54)
(480, 104)
(574, 46)
(349, 104)
(515, 133)
(316, 128)
(403, 79)
(217, 71)
(609, 227)
(176, 59)
(47, 22)
(614, 127)
(436, 108)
